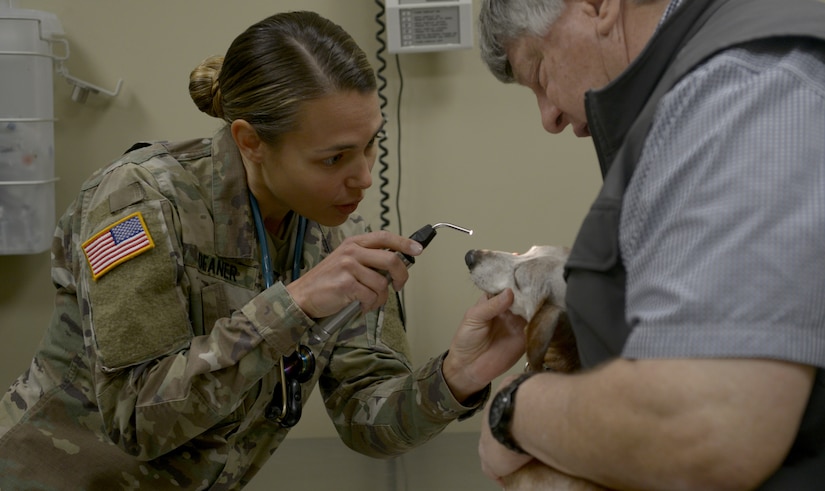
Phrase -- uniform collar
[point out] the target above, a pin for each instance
(232, 214)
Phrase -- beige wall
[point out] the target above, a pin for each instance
(473, 152)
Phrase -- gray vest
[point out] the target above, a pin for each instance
(619, 117)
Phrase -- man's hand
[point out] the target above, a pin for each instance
(497, 460)
(488, 342)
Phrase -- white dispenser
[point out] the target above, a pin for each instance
(26, 130)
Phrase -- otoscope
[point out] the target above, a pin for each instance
(327, 327)
(298, 367)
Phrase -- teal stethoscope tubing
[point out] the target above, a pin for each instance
(266, 259)
(289, 411)
(327, 326)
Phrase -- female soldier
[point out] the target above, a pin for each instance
(162, 366)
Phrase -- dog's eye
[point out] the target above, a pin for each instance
(516, 277)
(524, 276)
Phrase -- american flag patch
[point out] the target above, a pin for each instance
(117, 243)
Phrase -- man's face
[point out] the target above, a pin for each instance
(562, 65)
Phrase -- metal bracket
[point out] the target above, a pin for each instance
(81, 88)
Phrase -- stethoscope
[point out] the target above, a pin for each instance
(299, 366)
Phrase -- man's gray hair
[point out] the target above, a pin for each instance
(502, 21)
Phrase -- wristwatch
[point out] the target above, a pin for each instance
(501, 413)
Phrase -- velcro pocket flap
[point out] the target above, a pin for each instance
(138, 310)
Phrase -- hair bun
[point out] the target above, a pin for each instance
(204, 88)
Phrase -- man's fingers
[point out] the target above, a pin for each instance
(488, 308)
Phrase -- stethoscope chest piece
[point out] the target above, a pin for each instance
(286, 405)
(285, 408)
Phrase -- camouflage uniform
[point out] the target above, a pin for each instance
(155, 373)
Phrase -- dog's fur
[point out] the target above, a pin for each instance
(536, 278)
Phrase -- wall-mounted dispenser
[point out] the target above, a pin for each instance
(27, 177)
(418, 26)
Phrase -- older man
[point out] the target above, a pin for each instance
(696, 285)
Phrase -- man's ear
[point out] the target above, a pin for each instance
(605, 13)
(609, 15)
(249, 143)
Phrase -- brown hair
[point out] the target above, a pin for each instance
(275, 65)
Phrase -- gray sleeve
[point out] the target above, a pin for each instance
(723, 226)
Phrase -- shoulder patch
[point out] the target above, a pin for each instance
(117, 243)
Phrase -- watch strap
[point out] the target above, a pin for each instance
(501, 428)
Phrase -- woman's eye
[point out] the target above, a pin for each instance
(334, 159)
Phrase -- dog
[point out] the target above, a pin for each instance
(536, 278)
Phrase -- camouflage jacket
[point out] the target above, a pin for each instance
(163, 350)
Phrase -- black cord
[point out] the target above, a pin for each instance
(382, 85)
(383, 152)
(402, 299)
(398, 143)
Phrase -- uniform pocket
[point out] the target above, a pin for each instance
(221, 300)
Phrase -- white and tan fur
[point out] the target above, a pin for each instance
(536, 278)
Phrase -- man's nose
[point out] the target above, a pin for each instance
(552, 119)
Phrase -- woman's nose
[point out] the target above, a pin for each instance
(361, 177)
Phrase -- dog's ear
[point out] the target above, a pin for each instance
(534, 279)
(539, 333)
(551, 344)
(563, 353)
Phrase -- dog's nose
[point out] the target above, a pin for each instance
(470, 258)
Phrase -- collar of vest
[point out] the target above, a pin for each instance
(612, 110)
(712, 25)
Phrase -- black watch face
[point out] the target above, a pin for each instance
(497, 411)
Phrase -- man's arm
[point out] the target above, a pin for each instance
(666, 424)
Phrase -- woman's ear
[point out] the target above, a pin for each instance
(249, 143)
